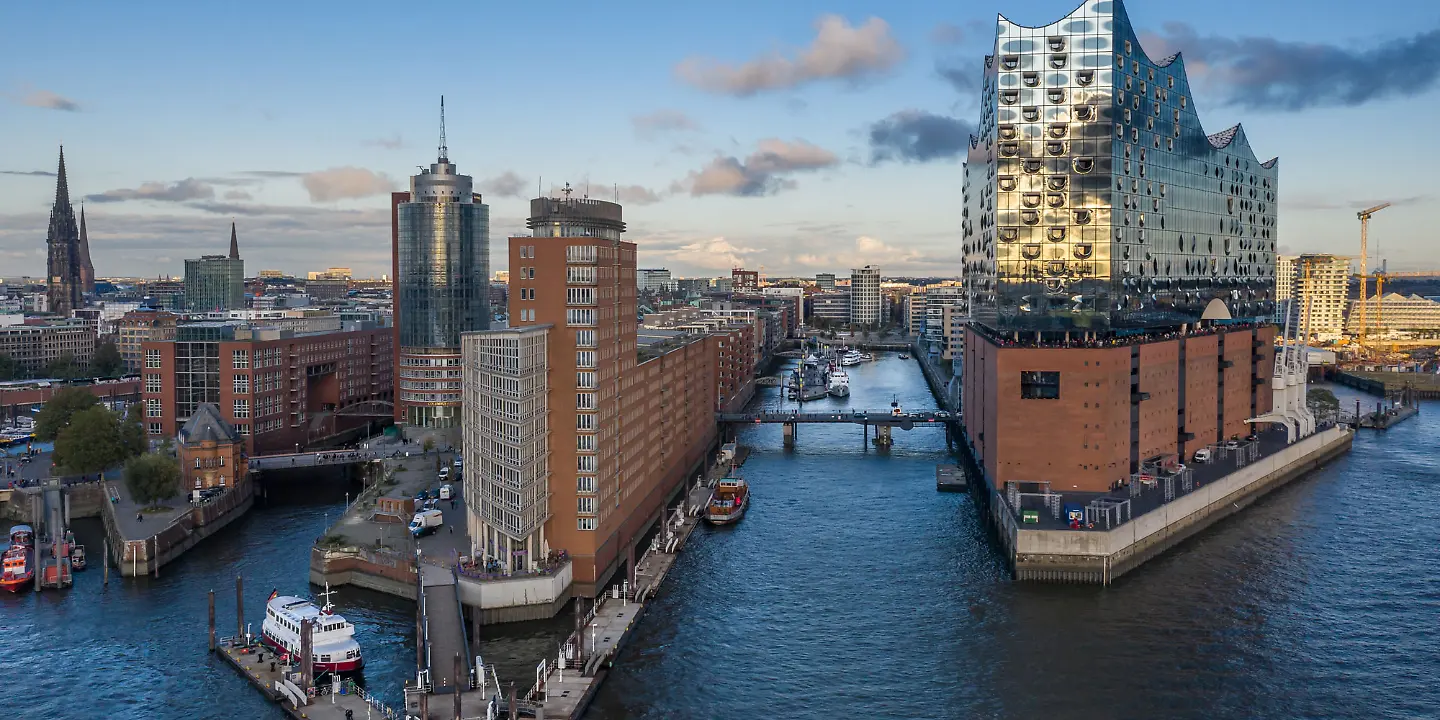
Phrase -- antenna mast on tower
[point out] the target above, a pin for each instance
(444, 151)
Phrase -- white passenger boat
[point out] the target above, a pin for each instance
(333, 646)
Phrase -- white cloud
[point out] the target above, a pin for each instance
(345, 182)
(662, 121)
(49, 101)
(838, 52)
(760, 173)
(187, 189)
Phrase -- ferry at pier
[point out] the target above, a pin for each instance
(851, 358)
(728, 504)
(839, 383)
(333, 648)
(19, 559)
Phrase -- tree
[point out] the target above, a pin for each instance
(1322, 403)
(63, 367)
(9, 369)
(91, 442)
(132, 431)
(107, 361)
(429, 444)
(152, 477)
(56, 413)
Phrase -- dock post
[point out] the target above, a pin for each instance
(155, 554)
(630, 560)
(307, 654)
(456, 687)
(239, 608)
(212, 621)
(789, 430)
(513, 711)
(105, 560)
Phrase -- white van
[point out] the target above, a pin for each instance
(425, 522)
(1202, 455)
(447, 492)
(444, 473)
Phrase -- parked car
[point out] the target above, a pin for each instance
(459, 462)
(444, 473)
(1232, 444)
(943, 415)
(1202, 455)
(447, 492)
(426, 522)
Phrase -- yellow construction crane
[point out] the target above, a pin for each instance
(1380, 277)
(1364, 216)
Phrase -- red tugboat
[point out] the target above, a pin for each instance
(19, 559)
(728, 504)
(334, 648)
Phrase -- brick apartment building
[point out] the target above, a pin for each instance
(574, 438)
(36, 344)
(136, 328)
(278, 389)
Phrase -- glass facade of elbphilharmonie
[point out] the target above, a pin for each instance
(1095, 201)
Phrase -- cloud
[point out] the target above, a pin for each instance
(1264, 73)
(918, 136)
(506, 184)
(271, 174)
(345, 182)
(962, 75)
(187, 189)
(627, 194)
(238, 195)
(760, 173)
(394, 142)
(947, 34)
(662, 121)
(35, 173)
(838, 52)
(714, 254)
(49, 101)
(1329, 202)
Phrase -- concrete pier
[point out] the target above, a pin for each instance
(1099, 556)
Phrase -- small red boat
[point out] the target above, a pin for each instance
(19, 559)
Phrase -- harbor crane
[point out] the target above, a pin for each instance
(1364, 216)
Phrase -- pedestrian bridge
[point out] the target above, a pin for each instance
(884, 416)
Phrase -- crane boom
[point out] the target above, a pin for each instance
(1364, 216)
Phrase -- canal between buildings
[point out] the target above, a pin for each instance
(852, 589)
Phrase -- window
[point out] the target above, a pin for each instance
(154, 428)
(240, 359)
(1039, 384)
(585, 442)
(585, 338)
(578, 296)
(585, 523)
(584, 422)
(584, 484)
(585, 504)
(585, 401)
(152, 384)
(242, 407)
(531, 274)
(585, 379)
(585, 358)
(242, 384)
(585, 463)
(576, 316)
(244, 429)
(152, 358)
(152, 408)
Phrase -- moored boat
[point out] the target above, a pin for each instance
(77, 557)
(852, 357)
(728, 504)
(839, 383)
(333, 646)
(17, 565)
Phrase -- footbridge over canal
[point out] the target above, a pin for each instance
(884, 421)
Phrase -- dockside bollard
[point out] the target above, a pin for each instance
(239, 608)
(212, 621)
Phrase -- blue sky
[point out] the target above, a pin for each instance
(800, 136)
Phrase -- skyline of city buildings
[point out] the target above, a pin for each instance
(440, 238)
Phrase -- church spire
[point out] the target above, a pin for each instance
(63, 267)
(87, 268)
(234, 243)
(62, 186)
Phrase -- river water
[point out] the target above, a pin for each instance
(853, 589)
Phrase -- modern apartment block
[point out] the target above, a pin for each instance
(440, 239)
(830, 306)
(280, 390)
(216, 282)
(943, 303)
(825, 281)
(1322, 293)
(654, 280)
(37, 344)
(1395, 313)
(915, 307)
(865, 297)
(623, 430)
(1119, 262)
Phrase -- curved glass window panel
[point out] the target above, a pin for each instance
(1029, 217)
(1007, 132)
(1030, 114)
(1056, 182)
(1083, 251)
(1031, 79)
(1009, 234)
(1055, 95)
(1056, 43)
(1057, 234)
(1055, 200)
(1082, 217)
(1084, 165)
(1009, 149)
(1009, 62)
(1030, 251)
(1030, 200)
(1058, 130)
(1055, 147)
(1058, 62)
(1084, 78)
(1009, 97)
(1084, 113)
(1007, 182)
(1033, 165)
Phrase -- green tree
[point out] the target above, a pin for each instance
(1322, 403)
(91, 442)
(132, 431)
(56, 413)
(9, 369)
(429, 444)
(64, 367)
(152, 477)
(107, 361)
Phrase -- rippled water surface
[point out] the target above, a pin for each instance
(853, 589)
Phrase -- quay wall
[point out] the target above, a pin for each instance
(516, 599)
(388, 573)
(85, 500)
(1098, 557)
(142, 556)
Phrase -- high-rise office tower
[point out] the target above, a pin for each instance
(1119, 261)
(216, 282)
(865, 296)
(440, 236)
(65, 286)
